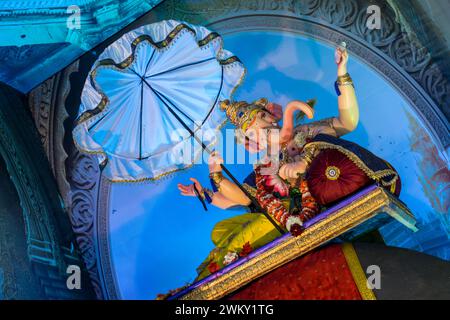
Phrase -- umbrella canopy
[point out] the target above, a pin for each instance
(144, 92)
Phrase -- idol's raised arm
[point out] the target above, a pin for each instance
(347, 104)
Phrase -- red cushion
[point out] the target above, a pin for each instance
(332, 176)
(323, 274)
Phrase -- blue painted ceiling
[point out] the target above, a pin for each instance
(39, 38)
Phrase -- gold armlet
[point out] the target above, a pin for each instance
(307, 158)
(308, 155)
(216, 178)
(344, 80)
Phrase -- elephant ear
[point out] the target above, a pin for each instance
(275, 110)
(300, 116)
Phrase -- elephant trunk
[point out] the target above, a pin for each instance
(286, 132)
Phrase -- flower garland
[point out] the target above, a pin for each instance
(274, 206)
(310, 207)
(276, 209)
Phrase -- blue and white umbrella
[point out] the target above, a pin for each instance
(149, 93)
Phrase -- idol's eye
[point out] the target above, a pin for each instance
(263, 115)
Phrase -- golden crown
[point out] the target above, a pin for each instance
(242, 113)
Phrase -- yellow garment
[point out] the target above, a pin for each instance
(232, 234)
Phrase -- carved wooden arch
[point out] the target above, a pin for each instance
(398, 56)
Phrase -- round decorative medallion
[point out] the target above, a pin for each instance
(332, 172)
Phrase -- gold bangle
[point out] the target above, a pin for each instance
(348, 83)
(307, 158)
(209, 192)
(344, 80)
(344, 77)
(202, 195)
(308, 155)
(217, 178)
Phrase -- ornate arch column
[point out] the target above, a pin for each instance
(50, 245)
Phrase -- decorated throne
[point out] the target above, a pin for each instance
(325, 247)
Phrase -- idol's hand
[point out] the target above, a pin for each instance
(292, 170)
(214, 162)
(341, 61)
(188, 190)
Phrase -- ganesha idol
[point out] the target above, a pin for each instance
(308, 168)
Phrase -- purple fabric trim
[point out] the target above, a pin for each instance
(274, 243)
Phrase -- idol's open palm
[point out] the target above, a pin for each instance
(189, 190)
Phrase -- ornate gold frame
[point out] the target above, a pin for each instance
(376, 202)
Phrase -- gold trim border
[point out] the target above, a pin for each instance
(357, 272)
(376, 202)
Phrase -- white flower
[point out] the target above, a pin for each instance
(230, 257)
(293, 220)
